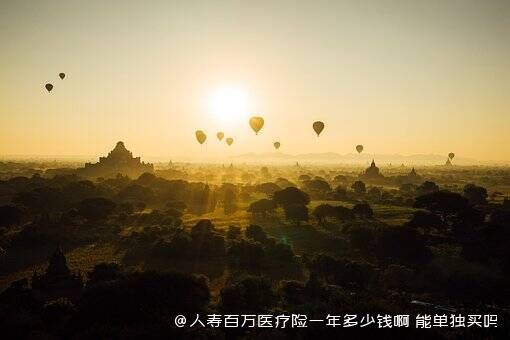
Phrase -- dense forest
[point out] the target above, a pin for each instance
(128, 255)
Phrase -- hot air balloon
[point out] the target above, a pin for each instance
(220, 135)
(62, 75)
(48, 87)
(276, 145)
(451, 155)
(256, 124)
(201, 136)
(229, 141)
(318, 126)
(359, 148)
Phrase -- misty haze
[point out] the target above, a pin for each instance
(254, 170)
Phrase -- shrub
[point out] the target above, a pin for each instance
(263, 207)
(401, 245)
(252, 295)
(363, 210)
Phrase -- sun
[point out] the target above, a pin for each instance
(229, 105)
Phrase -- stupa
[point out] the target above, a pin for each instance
(371, 173)
(58, 280)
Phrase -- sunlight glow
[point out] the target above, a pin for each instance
(229, 105)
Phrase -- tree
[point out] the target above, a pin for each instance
(229, 201)
(401, 245)
(246, 254)
(324, 211)
(103, 272)
(500, 217)
(316, 187)
(177, 205)
(397, 277)
(408, 188)
(202, 200)
(136, 192)
(320, 178)
(465, 221)
(489, 243)
(343, 272)
(425, 220)
(264, 171)
(291, 196)
(359, 187)
(444, 203)
(268, 188)
(279, 253)
(96, 209)
(233, 232)
(139, 206)
(125, 208)
(506, 203)
(173, 217)
(363, 210)
(141, 298)
(9, 216)
(303, 178)
(340, 179)
(206, 243)
(284, 183)
(362, 237)
(340, 193)
(426, 187)
(296, 213)
(256, 233)
(247, 177)
(147, 179)
(246, 192)
(79, 190)
(375, 193)
(41, 200)
(343, 213)
(262, 207)
(476, 195)
(203, 228)
(252, 295)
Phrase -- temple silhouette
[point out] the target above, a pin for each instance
(119, 161)
(371, 173)
(412, 177)
(58, 280)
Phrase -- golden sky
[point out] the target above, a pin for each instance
(408, 77)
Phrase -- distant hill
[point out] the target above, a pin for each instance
(353, 158)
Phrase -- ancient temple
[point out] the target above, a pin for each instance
(119, 161)
(371, 173)
(413, 178)
(58, 280)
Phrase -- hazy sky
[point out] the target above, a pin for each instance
(397, 76)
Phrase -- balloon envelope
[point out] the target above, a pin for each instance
(276, 145)
(359, 148)
(201, 137)
(48, 87)
(318, 126)
(62, 75)
(451, 155)
(256, 123)
(229, 141)
(220, 135)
